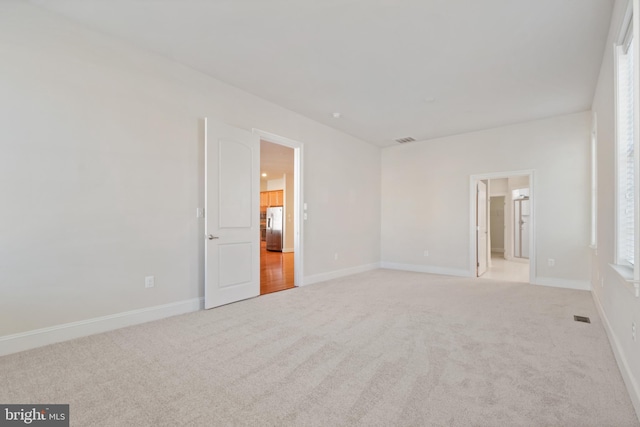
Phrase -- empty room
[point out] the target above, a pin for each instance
(320, 213)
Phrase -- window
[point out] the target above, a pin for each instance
(626, 151)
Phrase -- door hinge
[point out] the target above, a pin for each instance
(478, 265)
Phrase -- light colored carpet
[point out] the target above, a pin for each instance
(382, 348)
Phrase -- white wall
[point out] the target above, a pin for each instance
(619, 307)
(499, 186)
(517, 182)
(102, 172)
(425, 188)
(275, 184)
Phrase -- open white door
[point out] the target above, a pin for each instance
(232, 197)
(481, 228)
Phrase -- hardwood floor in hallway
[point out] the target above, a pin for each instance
(276, 270)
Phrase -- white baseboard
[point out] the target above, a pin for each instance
(497, 250)
(287, 249)
(427, 269)
(632, 385)
(41, 337)
(322, 277)
(581, 285)
(516, 259)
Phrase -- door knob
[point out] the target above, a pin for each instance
(212, 237)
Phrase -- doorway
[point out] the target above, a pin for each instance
(277, 255)
(506, 219)
(280, 199)
(231, 211)
(482, 228)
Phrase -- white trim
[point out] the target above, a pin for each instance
(472, 215)
(633, 388)
(594, 181)
(616, 131)
(625, 24)
(286, 250)
(68, 331)
(336, 274)
(516, 259)
(629, 21)
(276, 139)
(583, 285)
(431, 269)
(203, 240)
(636, 139)
(298, 199)
(554, 282)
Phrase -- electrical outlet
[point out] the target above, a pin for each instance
(149, 282)
(633, 331)
(199, 212)
(426, 253)
(335, 256)
(551, 262)
(602, 282)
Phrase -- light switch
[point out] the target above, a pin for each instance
(149, 282)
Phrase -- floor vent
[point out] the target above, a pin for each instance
(581, 319)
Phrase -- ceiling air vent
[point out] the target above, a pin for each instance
(404, 140)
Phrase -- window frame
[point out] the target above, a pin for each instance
(628, 34)
(594, 182)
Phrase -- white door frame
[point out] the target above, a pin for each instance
(487, 252)
(298, 198)
(473, 179)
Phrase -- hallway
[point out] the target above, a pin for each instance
(512, 271)
(276, 270)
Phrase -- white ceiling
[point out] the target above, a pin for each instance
(393, 68)
(275, 160)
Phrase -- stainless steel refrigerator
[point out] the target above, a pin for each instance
(274, 229)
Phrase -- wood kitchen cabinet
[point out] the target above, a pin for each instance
(275, 198)
(271, 198)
